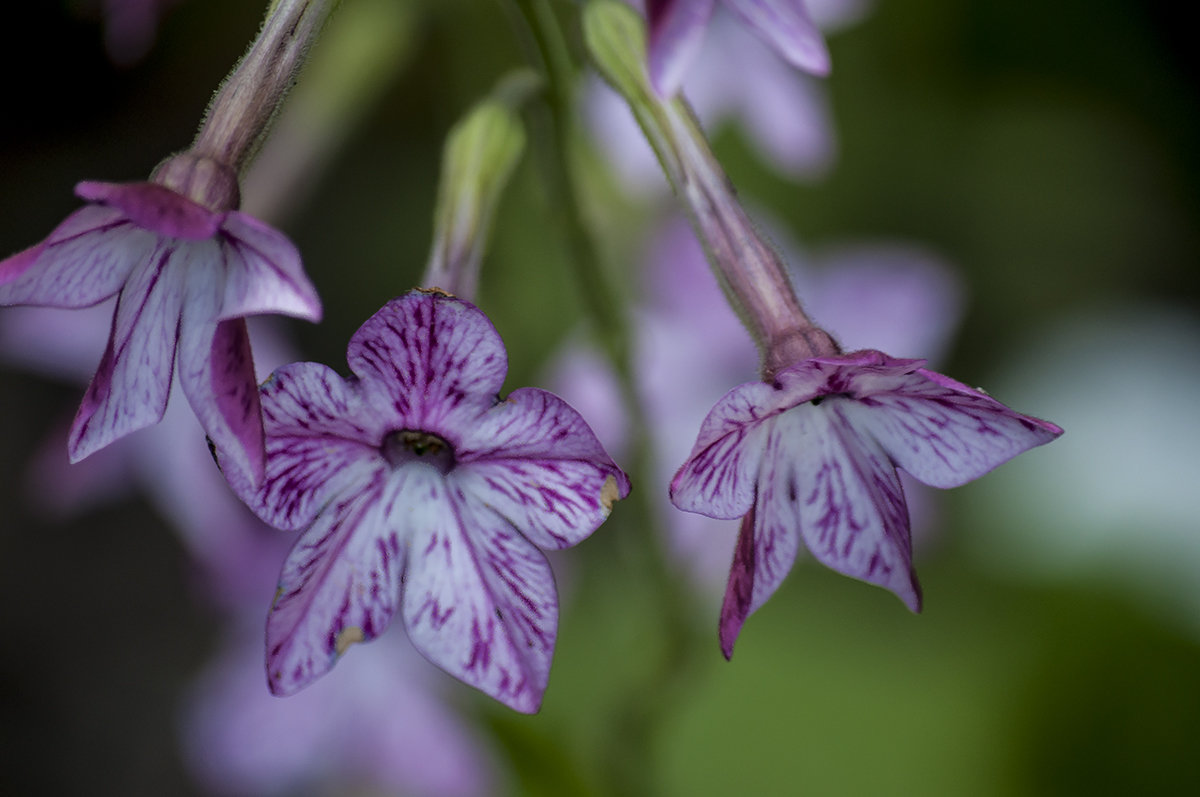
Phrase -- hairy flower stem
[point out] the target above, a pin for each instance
(244, 106)
(748, 269)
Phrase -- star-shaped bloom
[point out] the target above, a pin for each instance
(420, 491)
(185, 276)
(812, 456)
(676, 30)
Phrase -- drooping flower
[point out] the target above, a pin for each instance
(185, 276)
(689, 347)
(676, 31)
(185, 265)
(812, 456)
(419, 490)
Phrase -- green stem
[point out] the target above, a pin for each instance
(630, 759)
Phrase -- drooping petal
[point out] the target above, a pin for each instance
(130, 388)
(739, 592)
(787, 27)
(676, 31)
(84, 261)
(942, 432)
(479, 599)
(718, 477)
(318, 441)
(836, 485)
(431, 361)
(340, 585)
(263, 272)
(541, 468)
(216, 373)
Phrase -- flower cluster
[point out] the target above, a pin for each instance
(413, 487)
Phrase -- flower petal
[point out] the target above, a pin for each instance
(676, 31)
(84, 261)
(340, 585)
(263, 272)
(216, 373)
(739, 593)
(837, 486)
(131, 386)
(314, 444)
(155, 208)
(541, 469)
(480, 606)
(942, 432)
(718, 477)
(432, 361)
(788, 28)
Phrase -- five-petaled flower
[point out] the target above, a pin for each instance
(676, 30)
(812, 456)
(419, 490)
(186, 275)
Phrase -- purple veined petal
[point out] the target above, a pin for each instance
(133, 381)
(340, 584)
(738, 602)
(155, 208)
(676, 31)
(941, 432)
(263, 272)
(787, 26)
(315, 447)
(431, 361)
(216, 373)
(84, 261)
(718, 477)
(838, 487)
(543, 471)
(479, 599)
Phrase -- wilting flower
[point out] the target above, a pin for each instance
(677, 30)
(813, 454)
(185, 276)
(420, 490)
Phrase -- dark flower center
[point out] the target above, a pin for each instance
(408, 446)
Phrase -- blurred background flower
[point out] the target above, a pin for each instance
(1047, 151)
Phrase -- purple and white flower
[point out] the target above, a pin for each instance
(689, 347)
(383, 724)
(419, 490)
(813, 455)
(185, 276)
(676, 31)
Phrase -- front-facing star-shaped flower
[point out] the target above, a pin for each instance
(420, 490)
(185, 276)
(813, 457)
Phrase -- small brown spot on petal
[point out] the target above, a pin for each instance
(609, 493)
(347, 637)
